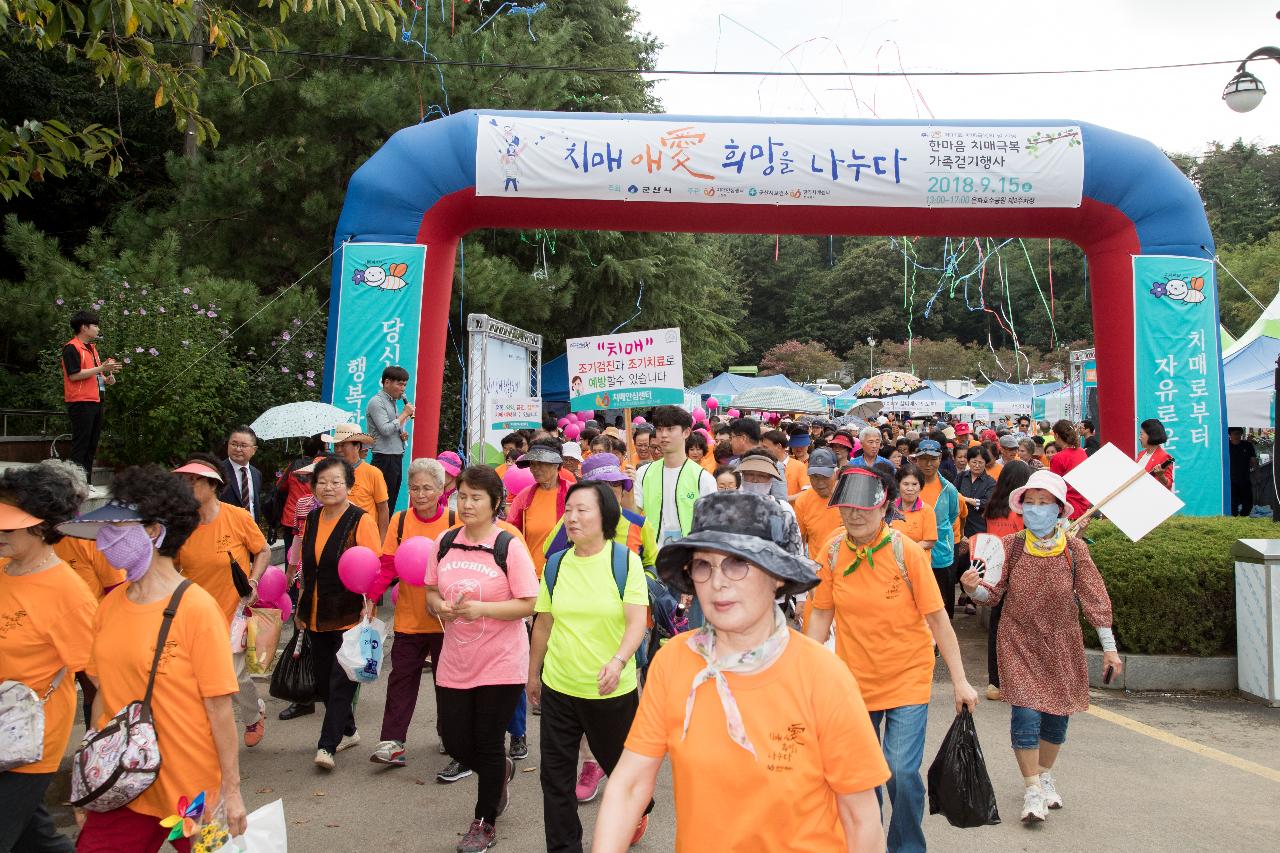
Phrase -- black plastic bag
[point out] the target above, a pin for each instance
(959, 786)
(293, 679)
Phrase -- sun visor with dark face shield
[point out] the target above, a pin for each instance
(860, 489)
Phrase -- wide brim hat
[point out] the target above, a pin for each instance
(842, 440)
(539, 454)
(604, 468)
(858, 488)
(15, 518)
(1051, 483)
(571, 450)
(741, 525)
(200, 469)
(759, 465)
(87, 525)
(347, 432)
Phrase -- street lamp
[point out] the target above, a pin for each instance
(871, 345)
(1244, 92)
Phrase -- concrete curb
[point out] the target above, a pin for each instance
(1165, 672)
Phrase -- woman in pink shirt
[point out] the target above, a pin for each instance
(482, 585)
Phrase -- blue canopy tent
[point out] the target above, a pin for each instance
(1005, 398)
(848, 398)
(555, 380)
(1256, 356)
(728, 385)
(930, 398)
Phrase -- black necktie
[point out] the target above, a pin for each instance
(244, 487)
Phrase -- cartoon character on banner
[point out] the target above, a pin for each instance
(388, 277)
(1180, 290)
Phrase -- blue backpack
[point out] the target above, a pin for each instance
(620, 560)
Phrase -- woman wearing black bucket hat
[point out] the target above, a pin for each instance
(771, 746)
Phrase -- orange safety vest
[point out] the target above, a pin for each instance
(82, 390)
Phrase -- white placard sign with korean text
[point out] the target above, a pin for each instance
(704, 160)
(630, 370)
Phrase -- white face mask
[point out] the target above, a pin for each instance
(756, 488)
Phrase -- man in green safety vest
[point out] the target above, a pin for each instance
(667, 487)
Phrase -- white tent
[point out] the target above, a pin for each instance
(1251, 401)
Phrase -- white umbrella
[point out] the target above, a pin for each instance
(965, 410)
(298, 420)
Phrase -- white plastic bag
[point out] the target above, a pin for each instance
(267, 832)
(239, 631)
(360, 655)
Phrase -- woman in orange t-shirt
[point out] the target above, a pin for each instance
(888, 615)
(1001, 521)
(227, 540)
(326, 608)
(149, 518)
(918, 522)
(418, 633)
(756, 719)
(46, 631)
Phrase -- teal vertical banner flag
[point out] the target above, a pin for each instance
(378, 315)
(1178, 372)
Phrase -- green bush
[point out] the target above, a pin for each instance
(1173, 593)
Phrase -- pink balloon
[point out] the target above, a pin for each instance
(285, 606)
(562, 423)
(357, 569)
(637, 420)
(733, 413)
(412, 558)
(712, 404)
(517, 480)
(272, 584)
(572, 431)
(395, 594)
(699, 415)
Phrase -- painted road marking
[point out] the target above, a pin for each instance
(1189, 745)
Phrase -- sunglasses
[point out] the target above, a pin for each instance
(733, 568)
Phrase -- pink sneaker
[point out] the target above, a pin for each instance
(589, 782)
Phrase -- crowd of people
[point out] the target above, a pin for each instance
(762, 604)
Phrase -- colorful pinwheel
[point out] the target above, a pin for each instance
(187, 820)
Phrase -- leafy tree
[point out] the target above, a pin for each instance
(158, 46)
(805, 362)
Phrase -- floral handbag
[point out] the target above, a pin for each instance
(118, 762)
(22, 722)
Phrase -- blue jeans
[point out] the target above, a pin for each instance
(903, 745)
(1027, 727)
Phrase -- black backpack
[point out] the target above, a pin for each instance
(499, 550)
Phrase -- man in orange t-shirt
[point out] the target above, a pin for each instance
(888, 616)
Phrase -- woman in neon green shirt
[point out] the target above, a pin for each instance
(591, 613)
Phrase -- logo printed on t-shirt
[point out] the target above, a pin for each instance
(12, 622)
(783, 747)
(170, 649)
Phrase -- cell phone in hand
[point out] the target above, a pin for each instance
(1108, 675)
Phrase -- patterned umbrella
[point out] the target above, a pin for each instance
(298, 420)
(890, 384)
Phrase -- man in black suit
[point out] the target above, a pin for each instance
(243, 481)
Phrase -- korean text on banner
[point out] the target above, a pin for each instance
(710, 161)
(632, 370)
(1178, 371)
(378, 316)
(506, 415)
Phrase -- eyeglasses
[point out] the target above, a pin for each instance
(242, 446)
(733, 568)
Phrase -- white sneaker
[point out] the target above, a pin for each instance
(1033, 807)
(348, 741)
(1052, 798)
(324, 759)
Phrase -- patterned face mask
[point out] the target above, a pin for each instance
(128, 547)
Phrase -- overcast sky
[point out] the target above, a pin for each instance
(1178, 109)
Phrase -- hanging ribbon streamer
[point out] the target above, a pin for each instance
(1053, 330)
(513, 9)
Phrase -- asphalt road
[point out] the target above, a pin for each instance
(1160, 776)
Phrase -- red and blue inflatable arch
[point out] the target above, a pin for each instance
(420, 187)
